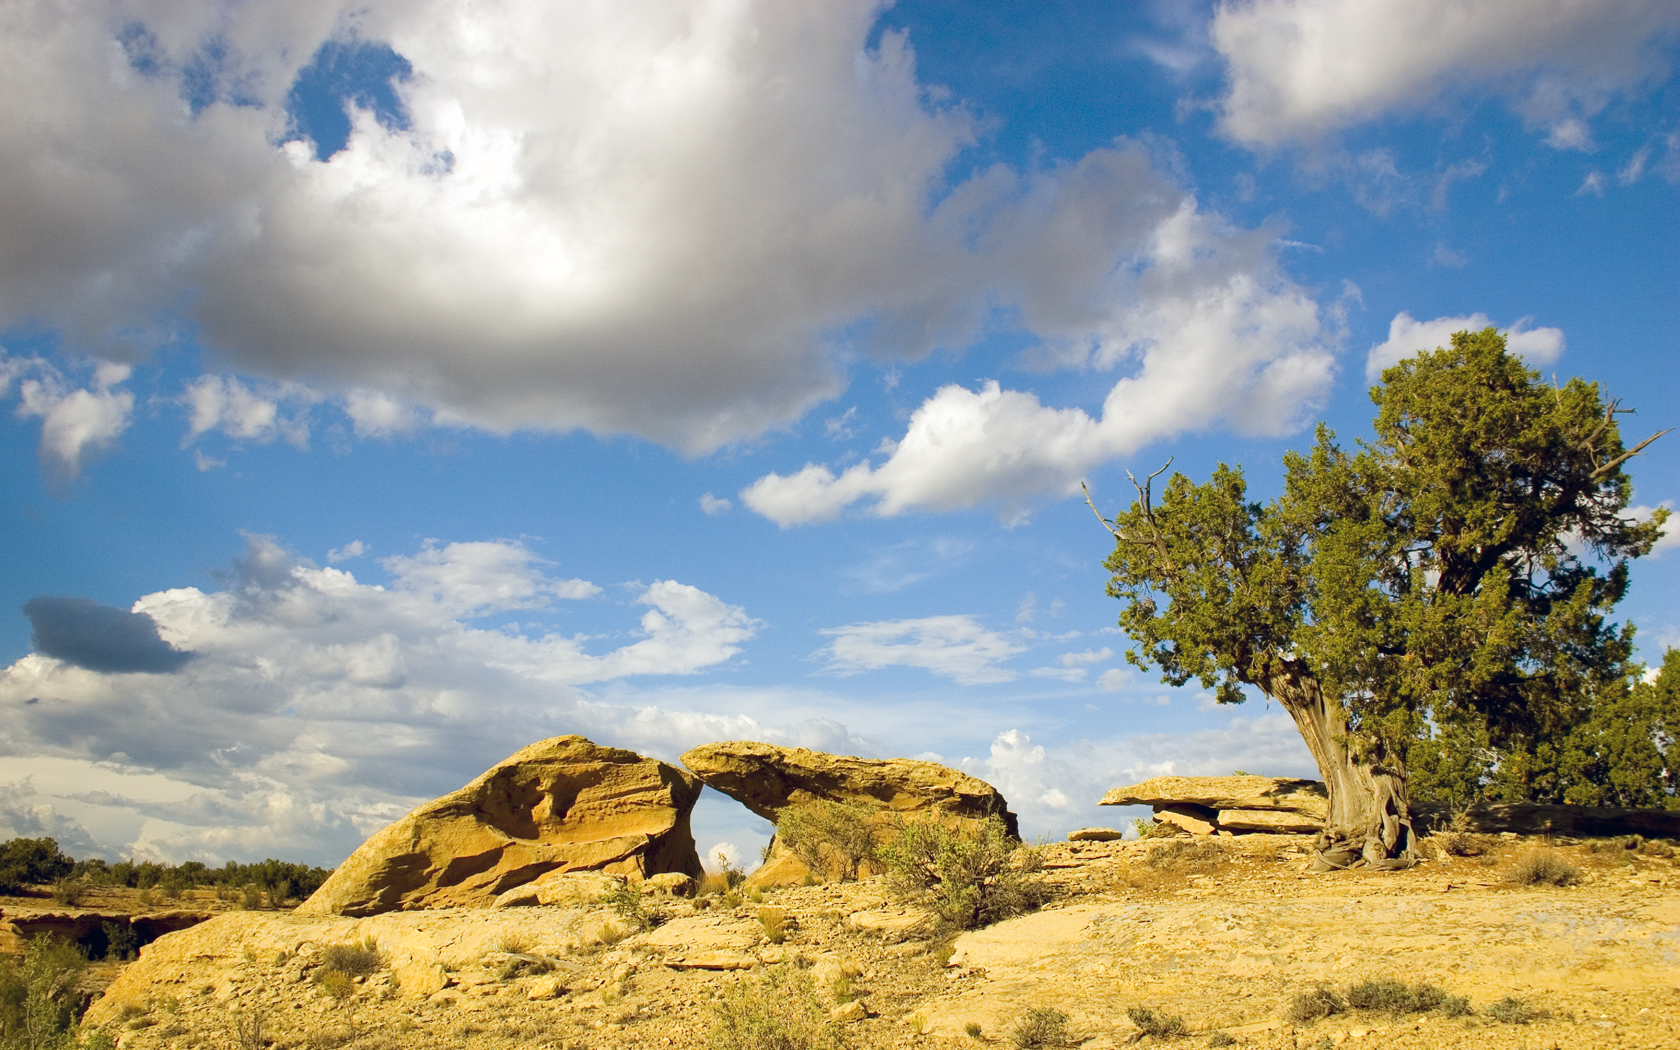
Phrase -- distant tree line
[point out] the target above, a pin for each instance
(39, 862)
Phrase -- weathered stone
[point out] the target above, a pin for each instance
(420, 979)
(1194, 819)
(562, 889)
(1307, 797)
(1095, 835)
(674, 883)
(846, 1013)
(766, 779)
(543, 988)
(88, 928)
(1276, 821)
(563, 804)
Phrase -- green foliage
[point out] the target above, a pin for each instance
(832, 838)
(32, 862)
(628, 902)
(1384, 994)
(40, 1002)
(1159, 1025)
(780, 1011)
(1041, 1026)
(1446, 589)
(969, 874)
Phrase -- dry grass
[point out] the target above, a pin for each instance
(1543, 867)
(1160, 1025)
(1041, 1026)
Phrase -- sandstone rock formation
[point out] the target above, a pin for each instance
(563, 804)
(89, 928)
(1537, 818)
(1237, 804)
(768, 779)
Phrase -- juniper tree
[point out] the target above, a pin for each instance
(1454, 574)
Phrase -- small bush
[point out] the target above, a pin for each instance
(40, 1002)
(335, 983)
(774, 921)
(1463, 843)
(1315, 1005)
(1544, 867)
(1510, 1010)
(778, 1012)
(969, 876)
(69, 892)
(1041, 1026)
(355, 960)
(1149, 828)
(832, 838)
(1184, 853)
(247, 1029)
(1159, 1025)
(628, 902)
(120, 940)
(251, 896)
(972, 1029)
(732, 874)
(1397, 997)
(1222, 1039)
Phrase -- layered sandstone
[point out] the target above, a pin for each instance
(767, 779)
(563, 804)
(1238, 804)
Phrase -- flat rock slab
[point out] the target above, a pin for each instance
(1234, 792)
(1095, 835)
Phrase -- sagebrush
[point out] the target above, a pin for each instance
(833, 839)
(779, 1011)
(969, 874)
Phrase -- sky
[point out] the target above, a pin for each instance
(386, 386)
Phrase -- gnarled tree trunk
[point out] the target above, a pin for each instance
(1369, 823)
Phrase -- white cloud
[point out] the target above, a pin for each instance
(955, 647)
(648, 220)
(712, 505)
(1406, 336)
(1301, 69)
(75, 422)
(1114, 679)
(1213, 333)
(1089, 656)
(353, 549)
(225, 404)
(474, 579)
(318, 707)
(1593, 184)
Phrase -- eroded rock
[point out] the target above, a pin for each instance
(563, 804)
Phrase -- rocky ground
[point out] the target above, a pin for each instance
(1220, 932)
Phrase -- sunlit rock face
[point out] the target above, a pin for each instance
(563, 804)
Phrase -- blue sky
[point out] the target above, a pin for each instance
(444, 378)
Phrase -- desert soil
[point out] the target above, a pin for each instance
(1223, 937)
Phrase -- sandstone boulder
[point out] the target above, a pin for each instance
(1307, 797)
(563, 804)
(766, 779)
(1095, 835)
(1237, 804)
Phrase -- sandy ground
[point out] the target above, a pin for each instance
(1224, 936)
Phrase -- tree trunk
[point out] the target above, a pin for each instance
(1370, 823)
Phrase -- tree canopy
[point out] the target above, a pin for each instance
(1452, 579)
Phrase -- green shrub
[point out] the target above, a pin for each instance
(1149, 828)
(40, 1002)
(1041, 1026)
(969, 875)
(780, 1011)
(1310, 1006)
(774, 921)
(627, 900)
(1159, 1025)
(69, 891)
(1511, 1010)
(1544, 867)
(832, 838)
(1397, 997)
(1222, 1039)
(32, 862)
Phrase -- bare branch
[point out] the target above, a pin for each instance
(1629, 454)
(1105, 524)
